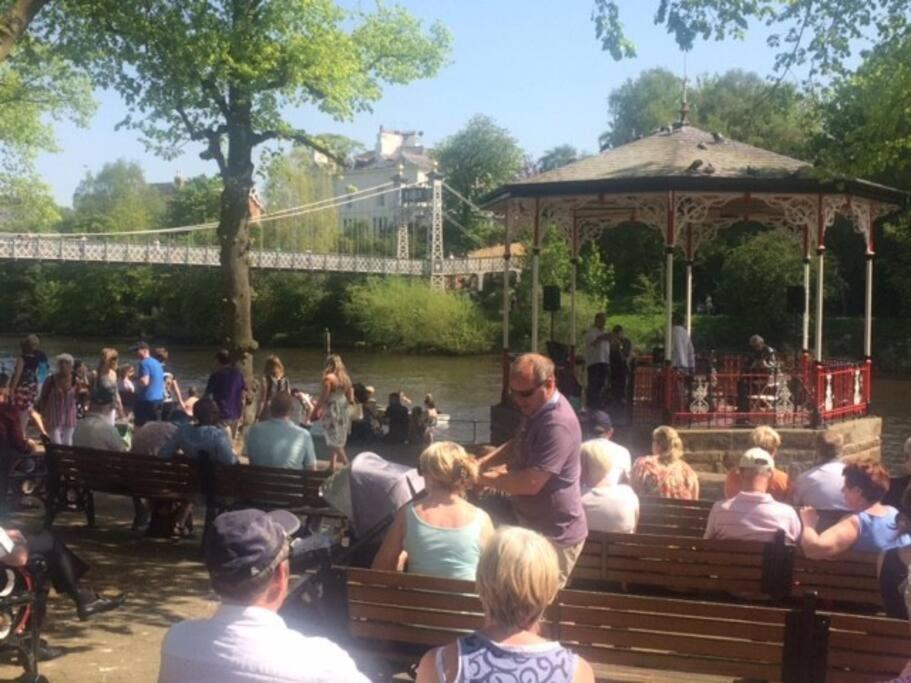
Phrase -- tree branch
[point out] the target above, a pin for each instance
(299, 137)
(212, 135)
(15, 22)
(209, 85)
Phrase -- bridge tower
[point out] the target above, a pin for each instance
(437, 279)
(401, 242)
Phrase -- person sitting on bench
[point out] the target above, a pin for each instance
(752, 514)
(610, 505)
(247, 554)
(873, 527)
(204, 437)
(767, 439)
(518, 577)
(64, 569)
(442, 534)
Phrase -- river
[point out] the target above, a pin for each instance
(464, 387)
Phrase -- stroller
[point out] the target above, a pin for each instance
(369, 492)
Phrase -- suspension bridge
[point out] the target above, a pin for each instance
(341, 234)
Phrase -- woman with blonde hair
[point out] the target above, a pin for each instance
(105, 382)
(609, 506)
(665, 473)
(273, 382)
(442, 534)
(518, 577)
(332, 409)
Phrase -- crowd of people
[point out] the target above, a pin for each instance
(556, 481)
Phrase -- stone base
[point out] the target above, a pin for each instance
(717, 450)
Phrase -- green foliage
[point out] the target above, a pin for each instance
(195, 201)
(647, 299)
(557, 157)
(822, 34)
(408, 316)
(117, 198)
(475, 161)
(37, 88)
(739, 104)
(201, 69)
(596, 277)
(867, 127)
(292, 180)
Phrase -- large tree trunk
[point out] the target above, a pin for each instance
(15, 21)
(234, 239)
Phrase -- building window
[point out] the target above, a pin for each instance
(381, 200)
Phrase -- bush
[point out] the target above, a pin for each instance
(407, 315)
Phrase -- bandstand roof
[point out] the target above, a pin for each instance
(684, 158)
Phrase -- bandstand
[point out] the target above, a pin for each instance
(688, 185)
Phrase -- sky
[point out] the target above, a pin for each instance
(534, 66)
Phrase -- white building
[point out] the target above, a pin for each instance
(378, 166)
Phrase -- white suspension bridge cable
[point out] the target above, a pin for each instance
(463, 198)
(320, 205)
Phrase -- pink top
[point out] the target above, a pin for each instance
(59, 409)
(751, 516)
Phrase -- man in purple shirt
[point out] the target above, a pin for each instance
(226, 387)
(540, 467)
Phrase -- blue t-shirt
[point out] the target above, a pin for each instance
(154, 391)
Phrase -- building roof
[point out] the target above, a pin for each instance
(409, 156)
(688, 159)
(496, 251)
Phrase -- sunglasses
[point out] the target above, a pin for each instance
(526, 393)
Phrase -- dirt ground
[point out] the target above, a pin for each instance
(164, 580)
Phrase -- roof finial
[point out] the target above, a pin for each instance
(684, 105)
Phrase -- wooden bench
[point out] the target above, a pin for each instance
(865, 649)
(398, 617)
(673, 517)
(849, 579)
(297, 491)
(74, 474)
(676, 563)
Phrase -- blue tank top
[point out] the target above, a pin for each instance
(483, 661)
(439, 551)
(879, 533)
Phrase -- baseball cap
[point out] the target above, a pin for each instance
(756, 458)
(243, 543)
(139, 345)
(599, 421)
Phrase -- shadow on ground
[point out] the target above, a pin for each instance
(165, 583)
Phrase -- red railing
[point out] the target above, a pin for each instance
(796, 394)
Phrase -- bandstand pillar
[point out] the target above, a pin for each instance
(689, 296)
(573, 272)
(507, 255)
(868, 306)
(669, 306)
(805, 343)
(535, 276)
(820, 281)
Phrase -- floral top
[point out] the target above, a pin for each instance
(650, 477)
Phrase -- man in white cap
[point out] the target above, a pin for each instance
(247, 555)
(752, 514)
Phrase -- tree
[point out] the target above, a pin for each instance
(117, 197)
(821, 34)
(15, 17)
(475, 161)
(37, 87)
(596, 278)
(295, 179)
(220, 73)
(557, 157)
(739, 104)
(195, 201)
